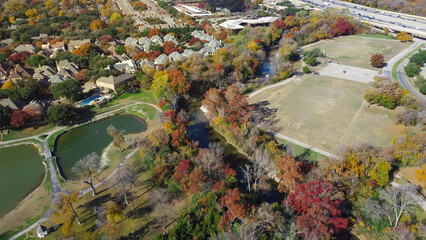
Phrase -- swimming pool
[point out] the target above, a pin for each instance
(89, 99)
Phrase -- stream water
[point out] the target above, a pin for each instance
(200, 130)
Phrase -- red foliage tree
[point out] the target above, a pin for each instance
(234, 209)
(319, 214)
(140, 55)
(154, 31)
(169, 47)
(106, 38)
(153, 55)
(20, 57)
(178, 83)
(193, 41)
(238, 110)
(196, 180)
(183, 170)
(280, 24)
(161, 173)
(377, 60)
(344, 26)
(223, 35)
(208, 27)
(19, 118)
(202, 5)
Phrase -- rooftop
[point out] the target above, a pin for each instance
(236, 24)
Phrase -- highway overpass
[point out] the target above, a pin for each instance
(398, 22)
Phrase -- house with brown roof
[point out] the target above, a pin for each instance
(20, 72)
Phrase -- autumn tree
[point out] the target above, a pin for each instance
(179, 84)
(31, 13)
(234, 209)
(289, 173)
(154, 31)
(97, 24)
(20, 57)
(377, 60)
(196, 180)
(87, 168)
(160, 82)
(318, 210)
(83, 50)
(19, 118)
(410, 150)
(118, 137)
(64, 210)
(254, 176)
(115, 17)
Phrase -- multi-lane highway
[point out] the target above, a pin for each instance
(395, 21)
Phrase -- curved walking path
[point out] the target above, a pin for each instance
(56, 188)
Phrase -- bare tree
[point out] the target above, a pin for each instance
(100, 213)
(125, 180)
(87, 168)
(247, 171)
(217, 149)
(392, 203)
(401, 233)
(161, 197)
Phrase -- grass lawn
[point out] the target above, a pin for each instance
(143, 96)
(27, 132)
(29, 210)
(142, 223)
(395, 66)
(328, 112)
(299, 152)
(374, 36)
(357, 51)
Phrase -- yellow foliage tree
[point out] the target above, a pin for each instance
(159, 83)
(31, 13)
(48, 4)
(252, 45)
(421, 174)
(115, 17)
(8, 85)
(97, 24)
(381, 173)
(113, 211)
(12, 20)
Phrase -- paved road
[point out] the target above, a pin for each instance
(392, 20)
(56, 189)
(402, 78)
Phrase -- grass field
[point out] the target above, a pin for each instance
(328, 112)
(357, 51)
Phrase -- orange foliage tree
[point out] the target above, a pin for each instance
(83, 50)
(97, 24)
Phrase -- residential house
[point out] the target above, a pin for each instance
(4, 71)
(112, 83)
(57, 79)
(176, 56)
(207, 51)
(143, 40)
(14, 105)
(161, 60)
(188, 52)
(20, 72)
(128, 66)
(44, 72)
(202, 35)
(74, 44)
(25, 47)
(131, 41)
(170, 37)
(45, 53)
(59, 46)
(156, 39)
(66, 67)
(142, 62)
(214, 44)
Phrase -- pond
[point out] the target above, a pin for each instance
(21, 171)
(77, 143)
